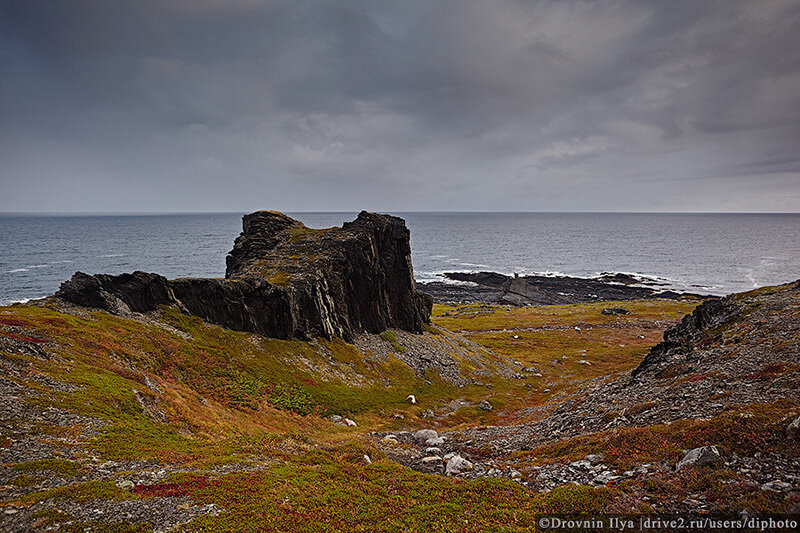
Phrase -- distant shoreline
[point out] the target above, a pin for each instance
(495, 288)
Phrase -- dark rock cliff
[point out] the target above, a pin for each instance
(287, 281)
(694, 331)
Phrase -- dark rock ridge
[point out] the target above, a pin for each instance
(491, 287)
(695, 331)
(287, 281)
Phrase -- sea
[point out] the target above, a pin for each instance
(706, 253)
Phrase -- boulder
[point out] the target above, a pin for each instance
(456, 465)
(485, 405)
(703, 456)
(423, 435)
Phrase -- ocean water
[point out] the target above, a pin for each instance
(711, 253)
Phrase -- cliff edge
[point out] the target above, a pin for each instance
(285, 280)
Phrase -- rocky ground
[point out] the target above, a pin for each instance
(729, 372)
(161, 422)
(494, 288)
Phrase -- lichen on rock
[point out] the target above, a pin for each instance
(287, 281)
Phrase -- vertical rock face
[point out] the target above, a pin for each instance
(340, 280)
(287, 281)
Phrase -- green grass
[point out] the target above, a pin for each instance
(391, 338)
(55, 465)
(83, 492)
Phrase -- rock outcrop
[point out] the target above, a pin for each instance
(491, 287)
(287, 281)
(695, 330)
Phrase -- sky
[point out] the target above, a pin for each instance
(449, 105)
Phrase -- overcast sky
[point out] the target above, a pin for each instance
(465, 105)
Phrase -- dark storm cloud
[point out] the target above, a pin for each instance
(196, 105)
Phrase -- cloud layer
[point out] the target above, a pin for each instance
(234, 105)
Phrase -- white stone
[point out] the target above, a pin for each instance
(777, 486)
(702, 456)
(794, 427)
(350, 423)
(457, 465)
(411, 398)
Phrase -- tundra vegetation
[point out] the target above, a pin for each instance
(165, 408)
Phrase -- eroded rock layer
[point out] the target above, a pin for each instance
(287, 281)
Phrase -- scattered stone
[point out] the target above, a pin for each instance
(431, 459)
(614, 311)
(125, 484)
(350, 423)
(424, 434)
(777, 486)
(485, 405)
(433, 450)
(605, 477)
(793, 429)
(456, 465)
(367, 459)
(703, 456)
(435, 441)
(335, 418)
(412, 399)
(428, 413)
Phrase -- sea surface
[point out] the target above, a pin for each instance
(709, 253)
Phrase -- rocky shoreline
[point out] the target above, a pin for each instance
(494, 288)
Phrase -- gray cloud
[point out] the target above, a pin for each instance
(212, 105)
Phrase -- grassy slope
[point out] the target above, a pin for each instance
(232, 397)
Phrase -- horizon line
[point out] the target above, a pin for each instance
(54, 214)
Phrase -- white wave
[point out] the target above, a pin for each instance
(549, 274)
(11, 301)
(39, 266)
(476, 265)
(430, 277)
(17, 270)
(111, 255)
